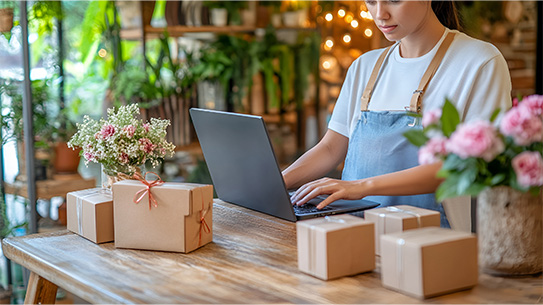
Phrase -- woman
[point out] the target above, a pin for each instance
(429, 61)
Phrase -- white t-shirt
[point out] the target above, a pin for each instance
(473, 75)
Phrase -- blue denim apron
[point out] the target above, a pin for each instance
(377, 145)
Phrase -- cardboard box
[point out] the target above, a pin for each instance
(429, 261)
(173, 225)
(90, 214)
(400, 218)
(335, 246)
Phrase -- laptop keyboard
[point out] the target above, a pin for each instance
(308, 208)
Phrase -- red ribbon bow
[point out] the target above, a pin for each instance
(203, 223)
(147, 190)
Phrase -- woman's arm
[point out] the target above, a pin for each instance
(317, 161)
(416, 180)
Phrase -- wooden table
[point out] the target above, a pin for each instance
(252, 259)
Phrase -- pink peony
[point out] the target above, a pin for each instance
(146, 145)
(129, 130)
(431, 117)
(433, 150)
(123, 158)
(528, 166)
(523, 126)
(534, 103)
(515, 102)
(107, 131)
(475, 139)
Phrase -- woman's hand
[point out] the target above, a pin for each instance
(336, 189)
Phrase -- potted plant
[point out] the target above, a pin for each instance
(273, 10)
(503, 166)
(214, 71)
(66, 160)
(218, 14)
(6, 15)
(295, 14)
(41, 120)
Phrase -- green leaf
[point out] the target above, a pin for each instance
(416, 137)
(449, 118)
(495, 115)
(453, 162)
(497, 179)
(447, 189)
(474, 189)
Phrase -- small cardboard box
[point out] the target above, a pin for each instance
(181, 221)
(429, 261)
(400, 218)
(335, 246)
(90, 214)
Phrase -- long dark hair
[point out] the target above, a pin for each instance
(447, 13)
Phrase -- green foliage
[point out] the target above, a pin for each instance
(45, 15)
(13, 111)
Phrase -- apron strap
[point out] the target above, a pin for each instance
(371, 82)
(416, 99)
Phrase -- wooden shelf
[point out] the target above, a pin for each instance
(180, 30)
(47, 189)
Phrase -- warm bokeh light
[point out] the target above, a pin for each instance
(368, 32)
(354, 24)
(328, 44)
(326, 65)
(102, 53)
(349, 18)
(347, 38)
(329, 17)
(341, 13)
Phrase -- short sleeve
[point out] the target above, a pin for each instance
(491, 90)
(340, 120)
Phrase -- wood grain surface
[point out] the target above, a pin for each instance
(252, 259)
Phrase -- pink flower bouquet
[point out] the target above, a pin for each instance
(481, 154)
(122, 142)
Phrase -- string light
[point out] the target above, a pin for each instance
(354, 24)
(349, 17)
(102, 53)
(328, 44)
(347, 38)
(341, 13)
(329, 17)
(368, 32)
(326, 65)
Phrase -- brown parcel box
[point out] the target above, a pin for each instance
(174, 225)
(335, 246)
(429, 261)
(90, 214)
(400, 218)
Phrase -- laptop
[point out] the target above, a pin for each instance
(244, 170)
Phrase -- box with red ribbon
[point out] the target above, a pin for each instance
(335, 246)
(162, 216)
(400, 218)
(428, 262)
(90, 214)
